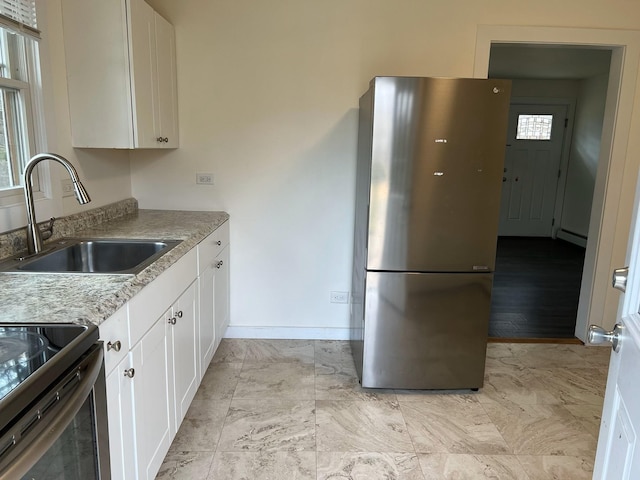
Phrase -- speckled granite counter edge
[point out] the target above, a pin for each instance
(63, 298)
(133, 284)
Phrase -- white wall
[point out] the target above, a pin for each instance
(267, 99)
(585, 150)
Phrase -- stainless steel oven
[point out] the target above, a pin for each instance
(53, 413)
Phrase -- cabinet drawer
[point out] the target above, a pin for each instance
(211, 246)
(114, 332)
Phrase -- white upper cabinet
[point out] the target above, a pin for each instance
(121, 75)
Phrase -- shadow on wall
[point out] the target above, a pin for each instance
(303, 216)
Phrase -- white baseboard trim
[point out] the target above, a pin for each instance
(289, 333)
(572, 238)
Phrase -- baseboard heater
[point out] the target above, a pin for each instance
(572, 237)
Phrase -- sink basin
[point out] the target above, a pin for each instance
(107, 256)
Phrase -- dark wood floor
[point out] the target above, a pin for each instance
(536, 288)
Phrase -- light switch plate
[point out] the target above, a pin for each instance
(204, 178)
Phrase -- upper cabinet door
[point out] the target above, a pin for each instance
(144, 72)
(98, 76)
(167, 106)
(121, 75)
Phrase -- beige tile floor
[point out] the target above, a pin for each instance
(293, 410)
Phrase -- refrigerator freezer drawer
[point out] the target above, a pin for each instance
(425, 330)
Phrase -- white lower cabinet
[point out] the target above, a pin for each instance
(213, 281)
(152, 399)
(206, 325)
(221, 295)
(121, 428)
(164, 382)
(183, 345)
(114, 333)
(154, 355)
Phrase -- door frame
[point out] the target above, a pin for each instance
(614, 192)
(570, 105)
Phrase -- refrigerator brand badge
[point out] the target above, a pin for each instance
(441, 140)
(480, 267)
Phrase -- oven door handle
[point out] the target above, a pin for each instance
(40, 440)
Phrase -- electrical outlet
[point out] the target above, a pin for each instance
(67, 187)
(204, 178)
(339, 297)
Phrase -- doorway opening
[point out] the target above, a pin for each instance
(618, 164)
(559, 95)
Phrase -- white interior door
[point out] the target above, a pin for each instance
(618, 454)
(532, 164)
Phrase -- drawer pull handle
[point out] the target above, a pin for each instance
(130, 372)
(114, 346)
(219, 242)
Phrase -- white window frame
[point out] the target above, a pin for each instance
(33, 110)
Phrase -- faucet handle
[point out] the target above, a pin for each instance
(46, 229)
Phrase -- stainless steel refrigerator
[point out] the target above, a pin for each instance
(429, 175)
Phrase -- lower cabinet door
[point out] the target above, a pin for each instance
(221, 313)
(206, 322)
(184, 349)
(153, 399)
(121, 428)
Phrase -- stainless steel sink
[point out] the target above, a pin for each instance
(107, 256)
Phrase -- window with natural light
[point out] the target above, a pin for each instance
(18, 79)
(534, 127)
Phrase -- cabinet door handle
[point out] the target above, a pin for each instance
(219, 264)
(179, 314)
(172, 320)
(114, 346)
(159, 139)
(130, 372)
(219, 242)
(165, 139)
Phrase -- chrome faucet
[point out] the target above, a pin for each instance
(34, 237)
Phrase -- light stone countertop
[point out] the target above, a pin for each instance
(92, 298)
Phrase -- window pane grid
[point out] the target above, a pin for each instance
(534, 127)
(19, 82)
(6, 168)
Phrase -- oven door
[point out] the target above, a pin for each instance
(60, 434)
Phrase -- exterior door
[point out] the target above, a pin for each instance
(618, 454)
(531, 169)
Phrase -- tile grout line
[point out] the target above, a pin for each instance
(217, 451)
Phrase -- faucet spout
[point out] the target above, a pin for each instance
(34, 238)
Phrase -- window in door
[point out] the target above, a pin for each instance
(534, 127)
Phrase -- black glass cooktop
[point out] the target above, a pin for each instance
(34, 355)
